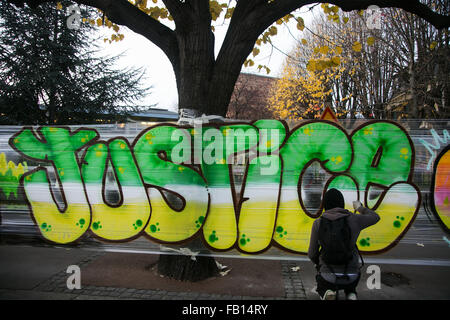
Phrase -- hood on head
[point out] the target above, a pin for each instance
(333, 198)
(336, 213)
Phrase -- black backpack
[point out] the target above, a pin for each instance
(335, 241)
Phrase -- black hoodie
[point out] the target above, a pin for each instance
(357, 222)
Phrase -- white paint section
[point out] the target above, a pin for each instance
(40, 192)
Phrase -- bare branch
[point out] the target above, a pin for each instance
(270, 12)
(412, 6)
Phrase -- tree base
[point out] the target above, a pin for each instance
(181, 267)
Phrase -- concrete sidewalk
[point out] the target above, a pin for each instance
(40, 273)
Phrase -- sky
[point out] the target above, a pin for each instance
(140, 52)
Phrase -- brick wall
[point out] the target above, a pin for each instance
(249, 99)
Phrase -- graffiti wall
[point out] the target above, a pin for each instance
(244, 186)
(441, 188)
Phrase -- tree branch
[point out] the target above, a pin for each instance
(254, 16)
(283, 7)
(126, 14)
(180, 12)
(415, 7)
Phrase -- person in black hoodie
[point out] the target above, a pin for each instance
(330, 278)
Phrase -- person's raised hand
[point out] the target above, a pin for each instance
(356, 205)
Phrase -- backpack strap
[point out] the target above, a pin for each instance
(346, 265)
(360, 255)
(320, 248)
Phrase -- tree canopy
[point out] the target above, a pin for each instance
(399, 70)
(53, 74)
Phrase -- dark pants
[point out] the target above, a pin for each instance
(323, 285)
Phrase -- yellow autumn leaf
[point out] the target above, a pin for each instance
(311, 66)
(304, 42)
(324, 49)
(300, 24)
(433, 45)
(338, 50)
(284, 113)
(249, 62)
(335, 18)
(336, 60)
(370, 41)
(215, 9)
(287, 17)
(99, 22)
(273, 30)
(229, 13)
(345, 19)
(320, 65)
(357, 46)
(59, 6)
(255, 52)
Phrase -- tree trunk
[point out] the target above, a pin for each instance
(185, 268)
(204, 84)
(194, 66)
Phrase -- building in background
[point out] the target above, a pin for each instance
(249, 99)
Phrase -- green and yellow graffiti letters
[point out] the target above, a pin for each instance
(175, 183)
